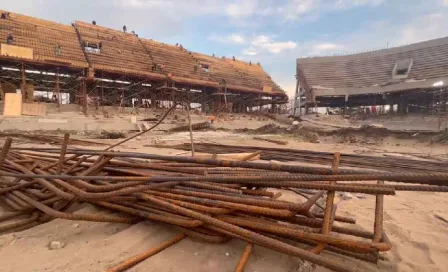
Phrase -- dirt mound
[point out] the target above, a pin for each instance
(266, 129)
(441, 138)
(111, 135)
(298, 132)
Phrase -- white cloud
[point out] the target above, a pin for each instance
(444, 2)
(260, 40)
(251, 51)
(298, 9)
(241, 9)
(234, 38)
(327, 46)
(277, 47)
(258, 44)
(353, 3)
(266, 43)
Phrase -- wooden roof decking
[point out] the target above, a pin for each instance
(220, 70)
(120, 52)
(430, 60)
(255, 74)
(43, 36)
(178, 63)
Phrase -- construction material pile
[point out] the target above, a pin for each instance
(384, 164)
(206, 199)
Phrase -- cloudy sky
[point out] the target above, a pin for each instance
(272, 32)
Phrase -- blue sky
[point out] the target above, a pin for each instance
(272, 32)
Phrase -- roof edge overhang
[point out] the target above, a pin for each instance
(252, 90)
(44, 62)
(381, 52)
(197, 82)
(143, 74)
(402, 86)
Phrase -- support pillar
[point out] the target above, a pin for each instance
(23, 84)
(84, 96)
(203, 109)
(58, 91)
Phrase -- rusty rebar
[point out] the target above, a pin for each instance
(274, 204)
(222, 204)
(214, 239)
(257, 238)
(151, 216)
(81, 217)
(19, 223)
(211, 187)
(5, 149)
(378, 224)
(276, 228)
(330, 209)
(145, 255)
(63, 150)
(244, 258)
(255, 181)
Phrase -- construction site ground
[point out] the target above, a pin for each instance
(414, 221)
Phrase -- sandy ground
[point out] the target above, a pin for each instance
(419, 238)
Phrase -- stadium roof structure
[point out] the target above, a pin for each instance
(388, 72)
(101, 52)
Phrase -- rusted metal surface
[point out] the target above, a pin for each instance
(244, 258)
(145, 255)
(63, 150)
(228, 205)
(378, 224)
(198, 234)
(212, 187)
(5, 148)
(330, 208)
(257, 238)
(78, 216)
(19, 223)
(208, 200)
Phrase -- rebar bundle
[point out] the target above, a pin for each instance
(205, 199)
(389, 164)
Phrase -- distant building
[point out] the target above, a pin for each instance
(411, 78)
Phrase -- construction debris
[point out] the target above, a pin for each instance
(271, 141)
(389, 164)
(197, 126)
(48, 138)
(206, 199)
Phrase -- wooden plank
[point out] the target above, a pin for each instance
(34, 109)
(267, 89)
(13, 104)
(17, 51)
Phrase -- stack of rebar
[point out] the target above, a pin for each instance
(381, 163)
(205, 199)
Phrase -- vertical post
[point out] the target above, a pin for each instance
(330, 207)
(378, 225)
(122, 100)
(102, 96)
(225, 97)
(297, 96)
(203, 109)
(84, 96)
(58, 91)
(63, 151)
(153, 101)
(188, 97)
(23, 83)
(5, 149)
